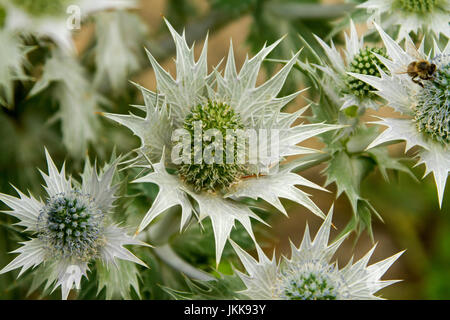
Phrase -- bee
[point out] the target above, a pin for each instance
(420, 69)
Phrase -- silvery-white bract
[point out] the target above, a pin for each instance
(71, 228)
(358, 58)
(309, 274)
(428, 16)
(53, 19)
(427, 107)
(234, 101)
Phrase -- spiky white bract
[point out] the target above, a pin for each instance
(427, 108)
(71, 228)
(57, 23)
(310, 274)
(411, 16)
(344, 89)
(235, 96)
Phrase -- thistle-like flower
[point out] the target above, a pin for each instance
(71, 228)
(309, 274)
(347, 90)
(54, 19)
(216, 103)
(426, 16)
(426, 103)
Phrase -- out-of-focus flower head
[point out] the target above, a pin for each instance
(55, 19)
(431, 17)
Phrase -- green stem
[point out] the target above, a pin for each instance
(159, 235)
(166, 254)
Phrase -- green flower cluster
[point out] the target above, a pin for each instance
(365, 62)
(215, 176)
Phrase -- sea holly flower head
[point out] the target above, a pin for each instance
(424, 100)
(71, 228)
(411, 16)
(54, 19)
(197, 135)
(358, 58)
(310, 274)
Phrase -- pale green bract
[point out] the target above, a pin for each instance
(258, 107)
(70, 229)
(431, 17)
(405, 96)
(310, 274)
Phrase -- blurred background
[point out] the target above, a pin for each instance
(412, 218)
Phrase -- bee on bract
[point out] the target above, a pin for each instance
(419, 69)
